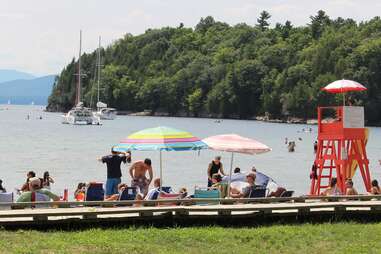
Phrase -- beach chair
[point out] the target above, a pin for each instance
(258, 193)
(94, 192)
(128, 193)
(166, 189)
(6, 197)
(287, 194)
(210, 193)
(163, 196)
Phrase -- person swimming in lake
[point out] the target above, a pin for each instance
(291, 146)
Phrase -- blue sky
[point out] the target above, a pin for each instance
(41, 36)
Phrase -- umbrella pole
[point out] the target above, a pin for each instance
(343, 99)
(230, 175)
(161, 171)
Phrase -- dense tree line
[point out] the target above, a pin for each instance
(234, 71)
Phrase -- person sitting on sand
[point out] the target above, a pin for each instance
(138, 171)
(245, 193)
(79, 193)
(332, 190)
(2, 189)
(153, 193)
(375, 190)
(215, 167)
(35, 186)
(350, 191)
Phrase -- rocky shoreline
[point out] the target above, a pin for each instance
(289, 120)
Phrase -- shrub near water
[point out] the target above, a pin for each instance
(307, 238)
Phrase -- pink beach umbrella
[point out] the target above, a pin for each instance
(235, 144)
(343, 86)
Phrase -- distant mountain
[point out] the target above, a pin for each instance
(27, 91)
(8, 75)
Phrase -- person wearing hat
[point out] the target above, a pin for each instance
(245, 192)
(35, 186)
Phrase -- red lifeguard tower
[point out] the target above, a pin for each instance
(342, 138)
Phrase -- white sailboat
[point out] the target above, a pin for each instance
(80, 114)
(103, 112)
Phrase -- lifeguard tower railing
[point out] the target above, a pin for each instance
(341, 147)
(341, 122)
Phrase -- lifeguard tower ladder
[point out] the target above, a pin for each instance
(341, 148)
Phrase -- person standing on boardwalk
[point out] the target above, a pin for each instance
(138, 171)
(114, 172)
(215, 167)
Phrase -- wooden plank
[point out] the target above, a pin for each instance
(193, 201)
(40, 218)
(339, 207)
(89, 216)
(225, 212)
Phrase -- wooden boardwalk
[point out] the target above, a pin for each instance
(184, 210)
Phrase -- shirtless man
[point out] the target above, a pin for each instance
(138, 172)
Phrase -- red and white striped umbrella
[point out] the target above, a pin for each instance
(343, 86)
(236, 144)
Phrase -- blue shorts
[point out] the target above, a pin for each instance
(112, 186)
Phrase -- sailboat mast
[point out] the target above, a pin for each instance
(99, 65)
(78, 99)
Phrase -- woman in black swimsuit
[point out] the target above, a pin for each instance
(215, 167)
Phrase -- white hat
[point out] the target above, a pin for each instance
(35, 182)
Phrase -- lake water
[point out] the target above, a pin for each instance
(70, 152)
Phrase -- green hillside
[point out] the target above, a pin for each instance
(234, 71)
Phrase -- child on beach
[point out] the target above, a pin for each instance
(79, 194)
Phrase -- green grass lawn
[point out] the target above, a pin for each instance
(306, 238)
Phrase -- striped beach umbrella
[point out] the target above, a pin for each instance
(160, 139)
